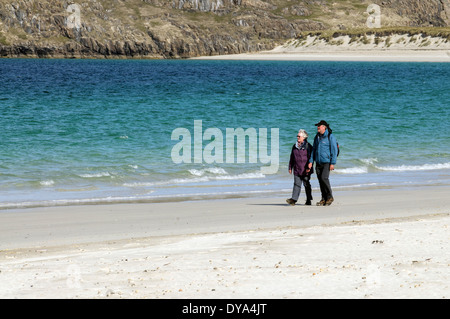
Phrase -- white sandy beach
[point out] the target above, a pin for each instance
(396, 48)
(368, 244)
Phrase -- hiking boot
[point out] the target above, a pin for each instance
(308, 203)
(290, 201)
(321, 203)
(329, 201)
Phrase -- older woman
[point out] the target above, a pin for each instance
(298, 165)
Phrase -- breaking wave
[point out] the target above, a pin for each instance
(370, 164)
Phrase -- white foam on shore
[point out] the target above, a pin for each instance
(425, 167)
(47, 183)
(212, 170)
(96, 175)
(200, 177)
(353, 170)
(370, 163)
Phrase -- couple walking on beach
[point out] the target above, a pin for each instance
(324, 152)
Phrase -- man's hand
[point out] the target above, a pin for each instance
(331, 167)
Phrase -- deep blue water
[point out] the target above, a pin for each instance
(94, 131)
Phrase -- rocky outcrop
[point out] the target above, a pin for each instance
(184, 28)
(420, 12)
(445, 12)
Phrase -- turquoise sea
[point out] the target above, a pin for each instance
(100, 131)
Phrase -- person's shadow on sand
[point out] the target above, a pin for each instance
(267, 204)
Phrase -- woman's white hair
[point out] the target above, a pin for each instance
(303, 133)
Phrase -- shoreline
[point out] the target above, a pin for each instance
(367, 244)
(288, 53)
(78, 224)
(194, 197)
(382, 55)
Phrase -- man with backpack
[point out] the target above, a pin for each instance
(324, 153)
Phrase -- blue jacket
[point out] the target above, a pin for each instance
(323, 152)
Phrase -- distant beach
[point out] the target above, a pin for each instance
(394, 48)
(348, 55)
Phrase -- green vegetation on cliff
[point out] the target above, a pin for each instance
(329, 35)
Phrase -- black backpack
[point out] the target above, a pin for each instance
(339, 150)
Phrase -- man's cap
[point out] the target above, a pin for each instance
(321, 123)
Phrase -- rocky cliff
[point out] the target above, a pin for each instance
(187, 28)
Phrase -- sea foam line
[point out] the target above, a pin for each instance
(96, 175)
(352, 170)
(130, 199)
(212, 170)
(424, 167)
(198, 179)
(47, 182)
(400, 168)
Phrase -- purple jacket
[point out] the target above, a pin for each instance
(300, 159)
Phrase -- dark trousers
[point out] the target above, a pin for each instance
(323, 174)
(298, 180)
